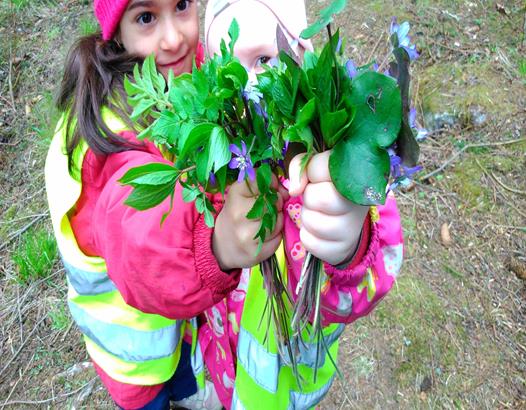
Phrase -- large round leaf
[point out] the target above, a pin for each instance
(360, 172)
(378, 103)
(359, 164)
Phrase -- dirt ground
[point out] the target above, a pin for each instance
(451, 334)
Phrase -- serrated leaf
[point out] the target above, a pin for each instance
(256, 212)
(264, 178)
(137, 172)
(233, 33)
(145, 197)
(168, 126)
(141, 108)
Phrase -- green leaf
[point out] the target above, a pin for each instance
(209, 218)
(233, 76)
(326, 17)
(157, 178)
(190, 193)
(233, 33)
(264, 178)
(167, 126)
(306, 114)
(257, 209)
(376, 98)
(219, 152)
(144, 105)
(144, 170)
(145, 197)
(197, 137)
(334, 126)
(359, 164)
(359, 171)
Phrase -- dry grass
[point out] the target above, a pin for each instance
(450, 335)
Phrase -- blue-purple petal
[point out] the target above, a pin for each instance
(233, 164)
(251, 173)
(351, 69)
(243, 149)
(235, 150)
(241, 175)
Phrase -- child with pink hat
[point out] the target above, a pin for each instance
(156, 304)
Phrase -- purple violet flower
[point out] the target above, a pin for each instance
(422, 133)
(404, 40)
(351, 69)
(401, 174)
(242, 162)
(251, 93)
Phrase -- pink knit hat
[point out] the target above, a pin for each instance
(291, 15)
(109, 14)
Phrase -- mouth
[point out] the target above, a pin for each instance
(172, 64)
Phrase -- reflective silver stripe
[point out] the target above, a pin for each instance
(196, 360)
(263, 367)
(128, 344)
(236, 403)
(304, 401)
(88, 283)
(308, 350)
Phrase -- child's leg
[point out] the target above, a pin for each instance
(180, 386)
(183, 383)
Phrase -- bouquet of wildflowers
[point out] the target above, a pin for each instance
(223, 130)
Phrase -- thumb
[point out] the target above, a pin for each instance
(297, 179)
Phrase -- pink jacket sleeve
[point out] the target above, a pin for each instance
(168, 270)
(351, 293)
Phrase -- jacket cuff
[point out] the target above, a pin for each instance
(362, 259)
(219, 283)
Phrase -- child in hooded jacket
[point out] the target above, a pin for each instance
(143, 294)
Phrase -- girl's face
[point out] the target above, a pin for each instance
(167, 28)
(257, 34)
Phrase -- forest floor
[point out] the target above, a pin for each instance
(451, 334)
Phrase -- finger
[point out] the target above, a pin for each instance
(318, 168)
(298, 180)
(278, 228)
(246, 188)
(326, 227)
(328, 251)
(324, 197)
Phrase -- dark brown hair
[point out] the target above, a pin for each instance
(94, 78)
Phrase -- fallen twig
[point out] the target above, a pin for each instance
(466, 147)
(23, 345)
(22, 230)
(52, 399)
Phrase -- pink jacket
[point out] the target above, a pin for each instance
(172, 271)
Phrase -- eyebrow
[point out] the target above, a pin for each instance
(141, 3)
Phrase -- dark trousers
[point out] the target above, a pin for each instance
(180, 386)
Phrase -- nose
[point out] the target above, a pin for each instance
(171, 36)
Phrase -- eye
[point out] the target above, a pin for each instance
(263, 60)
(183, 5)
(145, 18)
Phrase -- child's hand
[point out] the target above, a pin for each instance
(233, 240)
(331, 224)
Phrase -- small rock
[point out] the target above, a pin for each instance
(445, 235)
(426, 384)
(516, 266)
(438, 121)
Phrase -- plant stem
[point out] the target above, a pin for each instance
(249, 115)
(335, 63)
